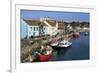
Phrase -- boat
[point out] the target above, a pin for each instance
(55, 44)
(45, 56)
(63, 44)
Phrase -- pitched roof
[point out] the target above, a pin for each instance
(51, 22)
(34, 22)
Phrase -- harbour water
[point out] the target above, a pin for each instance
(79, 50)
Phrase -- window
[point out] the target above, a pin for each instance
(37, 28)
(44, 28)
(44, 33)
(31, 28)
(34, 28)
(33, 33)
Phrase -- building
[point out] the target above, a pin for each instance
(24, 29)
(36, 28)
(44, 26)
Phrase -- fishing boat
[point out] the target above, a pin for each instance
(55, 44)
(45, 56)
(63, 44)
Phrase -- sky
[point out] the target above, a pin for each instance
(56, 15)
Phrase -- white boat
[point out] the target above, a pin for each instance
(54, 44)
(64, 44)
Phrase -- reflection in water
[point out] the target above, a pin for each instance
(62, 51)
(59, 54)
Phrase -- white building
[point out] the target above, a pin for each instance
(39, 27)
(24, 29)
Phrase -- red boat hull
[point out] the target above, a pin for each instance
(44, 57)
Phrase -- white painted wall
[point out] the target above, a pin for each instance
(24, 29)
(32, 32)
(52, 30)
(45, 29)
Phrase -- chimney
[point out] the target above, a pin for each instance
(41, 19)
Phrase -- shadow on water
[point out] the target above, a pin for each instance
(62, 51)
(59, 53)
